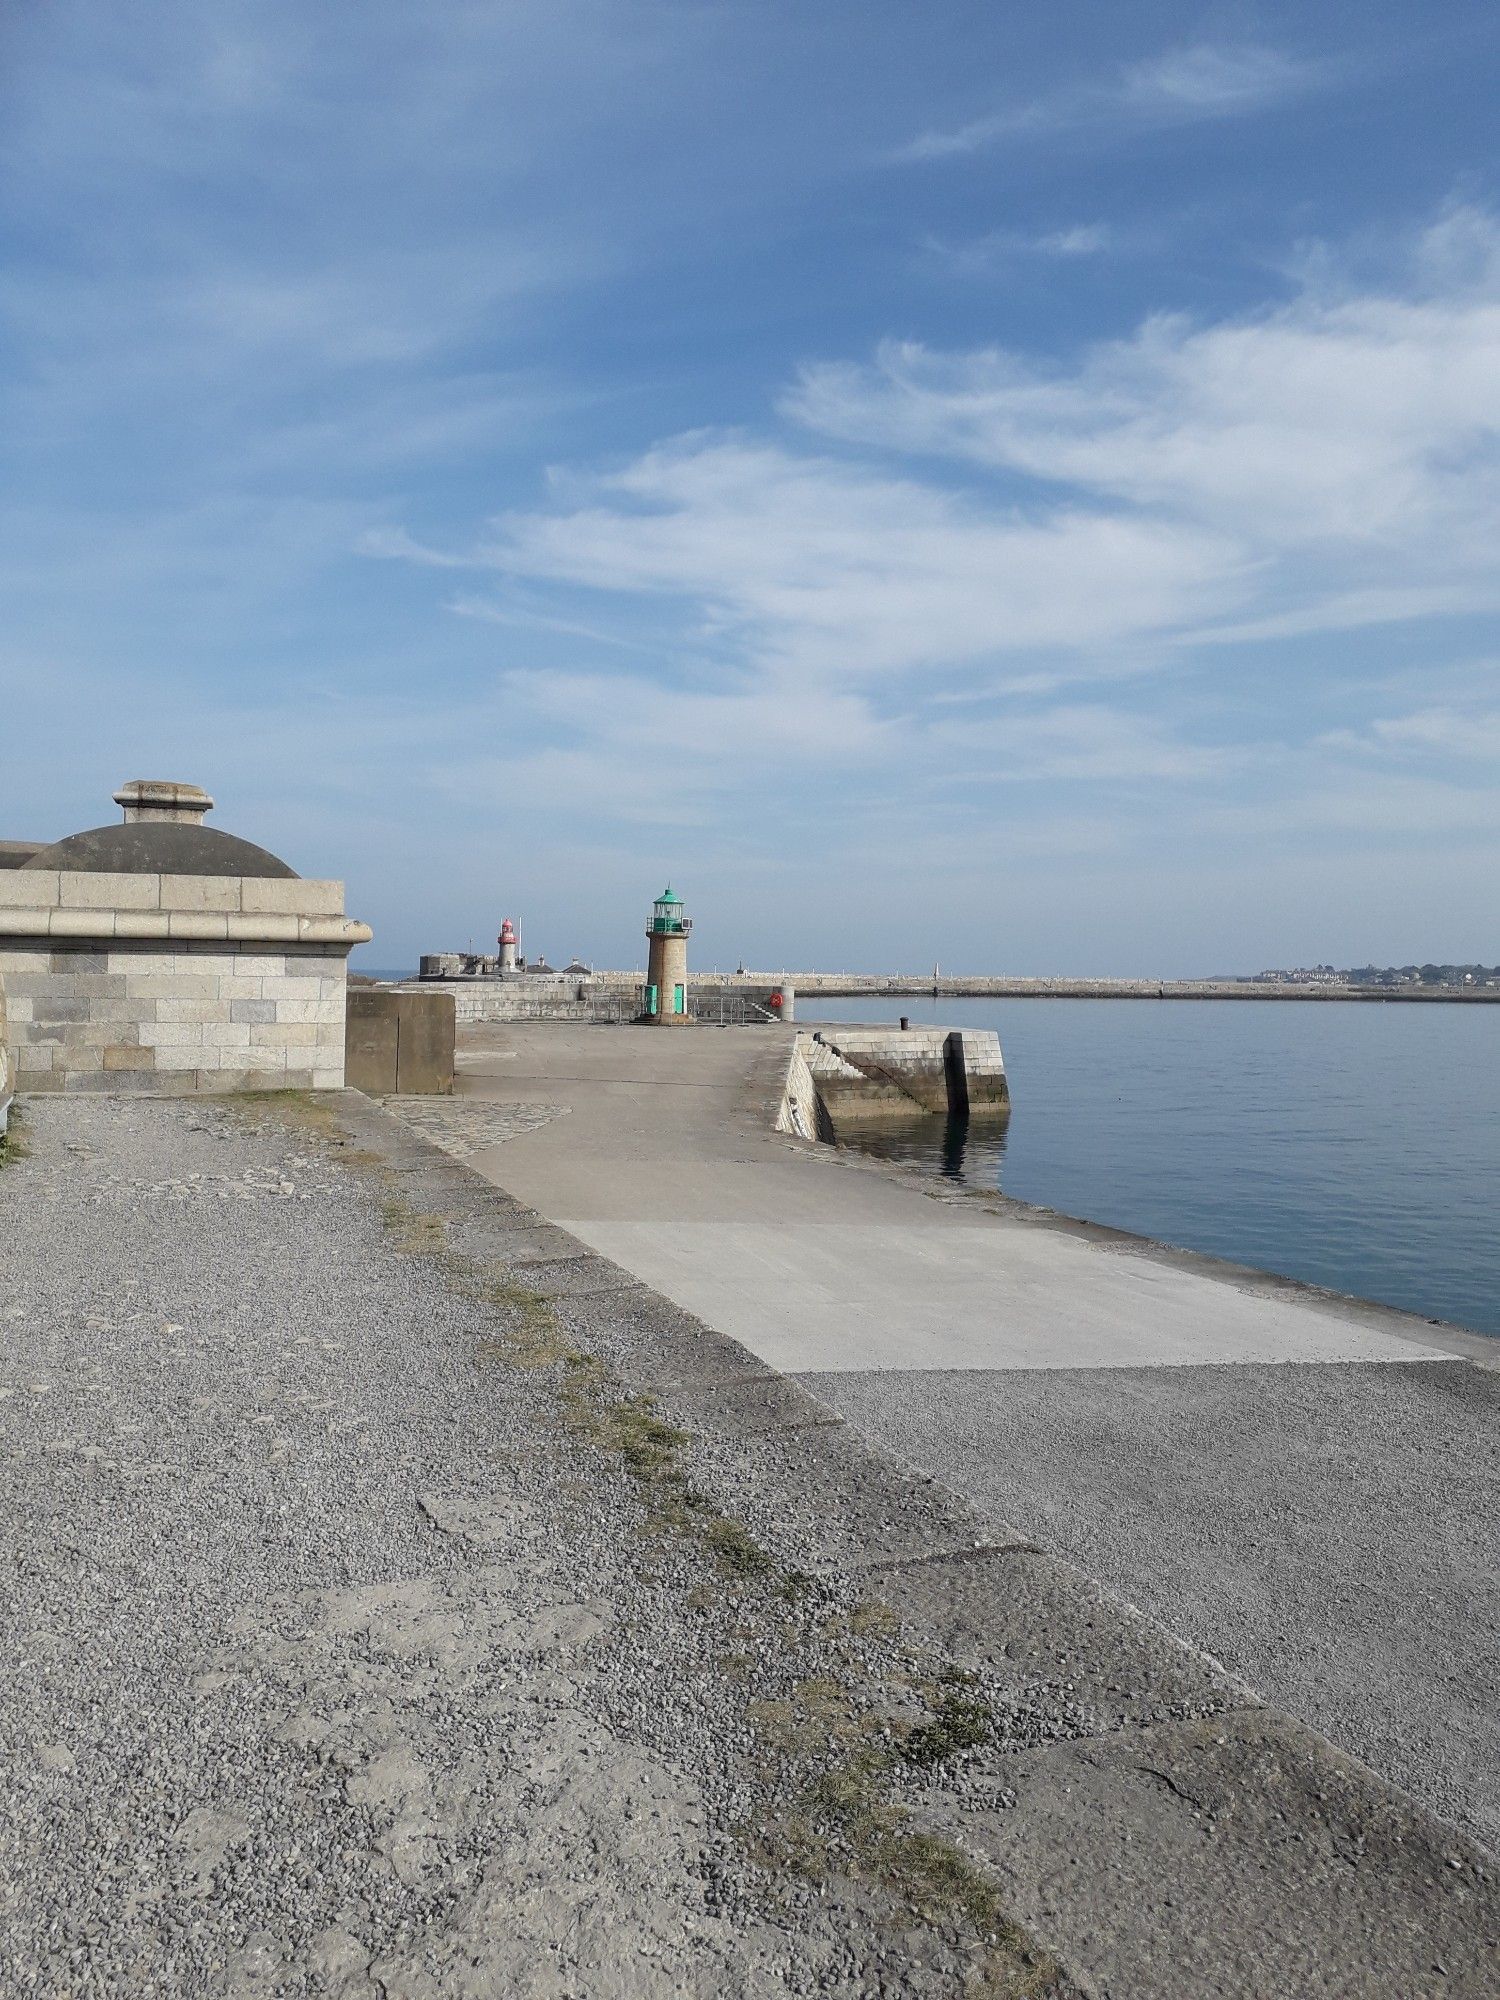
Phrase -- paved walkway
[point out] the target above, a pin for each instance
(1327, 1529)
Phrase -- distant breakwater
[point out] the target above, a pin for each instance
(851, 985)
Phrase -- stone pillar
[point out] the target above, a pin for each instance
(163, 798)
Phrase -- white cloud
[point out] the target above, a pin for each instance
(1350, 438)
(845, 572)
(1181, 86)
(1077, 742)
(983, 253)
(1450, 735)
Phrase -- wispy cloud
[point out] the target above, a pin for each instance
(848, 572)
(983, 253)
(1347, 443)
(1447, 735)
(1181, 86)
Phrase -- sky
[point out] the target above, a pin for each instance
(1003, 486)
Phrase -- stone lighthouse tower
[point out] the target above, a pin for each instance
(507, 942)
(666, 968)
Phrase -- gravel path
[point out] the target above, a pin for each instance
(344, 1658)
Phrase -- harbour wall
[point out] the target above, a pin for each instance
(602, 996)
(706, 990)
(984, 986)
(839, 1076)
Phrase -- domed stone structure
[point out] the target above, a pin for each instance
(161, 954)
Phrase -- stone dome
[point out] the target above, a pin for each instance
(162, 834)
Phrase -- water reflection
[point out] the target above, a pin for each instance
(956, 1148)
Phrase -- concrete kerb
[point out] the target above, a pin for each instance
(1148, 1819)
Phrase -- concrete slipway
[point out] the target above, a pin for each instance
(1303, 1486)
(368, 1640)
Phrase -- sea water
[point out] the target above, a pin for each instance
(1353, 1144)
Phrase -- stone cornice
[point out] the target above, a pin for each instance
(195, 926)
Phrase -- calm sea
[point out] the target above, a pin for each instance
(1355, 1145)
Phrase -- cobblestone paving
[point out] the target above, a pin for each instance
(462, 1127)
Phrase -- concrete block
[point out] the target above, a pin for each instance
(1031, 1622)
(28, 889)
(291, 988)
(200, 892)
(22, 962)
(398, 1041)
(1239, 1857)
(259, 965)
(235, 986)
(253, 1011)
(327, 1079)
(19, 1009)
(197, 923)
(82, 890)
(303, 897)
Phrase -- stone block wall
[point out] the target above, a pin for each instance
(176, 1021)
(174, 983)
(839, 1076)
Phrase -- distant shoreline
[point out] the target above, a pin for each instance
(988, 986)
(827, 985)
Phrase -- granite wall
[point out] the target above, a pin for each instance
(174, 983)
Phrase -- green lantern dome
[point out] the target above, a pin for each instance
(667, 915)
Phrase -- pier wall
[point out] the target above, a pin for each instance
(839, 1076)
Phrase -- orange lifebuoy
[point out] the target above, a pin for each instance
(775, 1003)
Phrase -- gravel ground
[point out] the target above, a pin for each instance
(346, 1655)
(1332, 1533)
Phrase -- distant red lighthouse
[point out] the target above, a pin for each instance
(508, 946)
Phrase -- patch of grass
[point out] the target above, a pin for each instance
(871, 1619)
(959, 1721)
(842, 1825)
(414, 1233)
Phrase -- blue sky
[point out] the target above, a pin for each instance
(1013, 486)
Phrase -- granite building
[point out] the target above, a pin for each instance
(159, 954)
